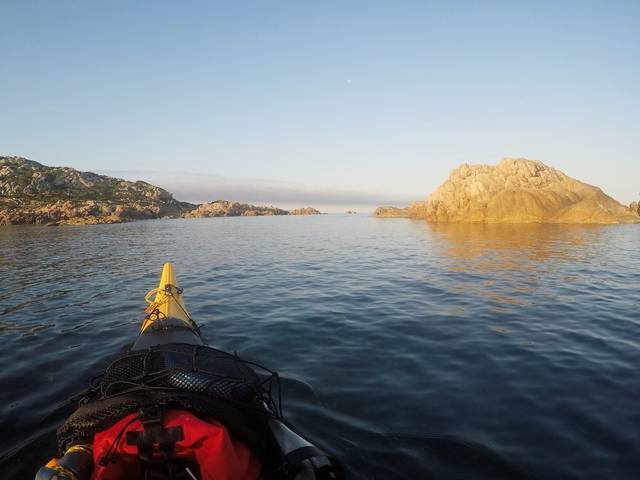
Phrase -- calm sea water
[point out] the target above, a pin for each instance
(411, 350)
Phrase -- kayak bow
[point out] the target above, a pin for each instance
(172, 407)
(168, 302)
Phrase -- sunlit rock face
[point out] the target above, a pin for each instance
(418, 210)
(391, 212)
(34, 193)
(518, 190)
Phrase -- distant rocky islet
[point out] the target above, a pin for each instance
(517, 190)
(32, 193)
(225, 208)
(391, 212)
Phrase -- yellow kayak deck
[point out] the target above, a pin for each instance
(168, 302)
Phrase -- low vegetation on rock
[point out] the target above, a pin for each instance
(34, 193)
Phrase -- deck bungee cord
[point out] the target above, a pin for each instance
(173, 408)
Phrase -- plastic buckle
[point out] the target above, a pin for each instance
(154, 434)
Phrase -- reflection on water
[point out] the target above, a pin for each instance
(503, 246)
(517, 253)
(401, 344)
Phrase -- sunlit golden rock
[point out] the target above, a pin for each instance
(518, 190)
(391, 212)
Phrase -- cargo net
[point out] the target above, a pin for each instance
(197, 378)
(190, 368)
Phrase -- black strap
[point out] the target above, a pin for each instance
(292, 461)
(154, 434)
(301, 454)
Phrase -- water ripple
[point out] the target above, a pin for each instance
(408, 348)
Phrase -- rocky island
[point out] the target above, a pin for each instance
(224, 208)
(305, 211)
(391, 212)
(518, 190)
(34, 193)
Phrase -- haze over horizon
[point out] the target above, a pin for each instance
(202, 188)
(335, 103)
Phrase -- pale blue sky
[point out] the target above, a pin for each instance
(383, 98)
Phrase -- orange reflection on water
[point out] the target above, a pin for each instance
(504, 263)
